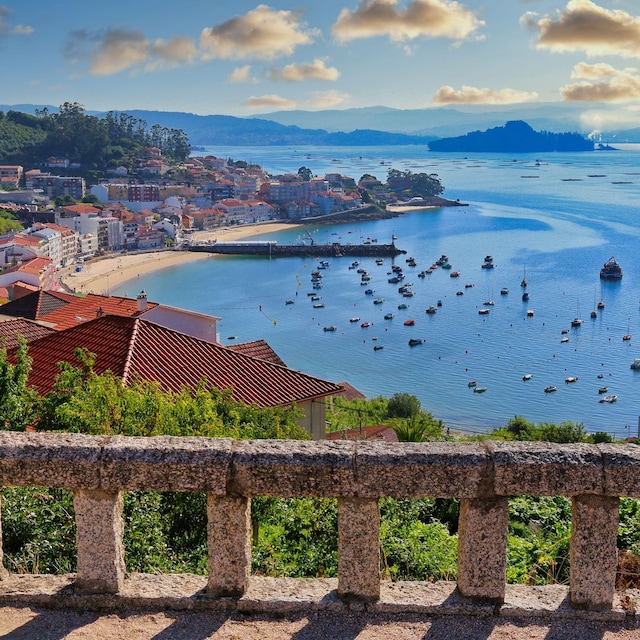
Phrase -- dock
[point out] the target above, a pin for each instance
(275, 250)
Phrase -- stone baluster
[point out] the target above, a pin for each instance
(229, 545)
(3, 571)
(593, 552)
(482, 548)
(99, 524)
(358, 549)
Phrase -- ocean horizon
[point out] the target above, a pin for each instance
(554, 218)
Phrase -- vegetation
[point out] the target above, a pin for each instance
(8, 222)
(91, 142)
(166, 532)
(423, 185)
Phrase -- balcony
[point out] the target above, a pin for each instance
(482, 475)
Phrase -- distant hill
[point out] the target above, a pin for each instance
(362, 126)
(515, 136)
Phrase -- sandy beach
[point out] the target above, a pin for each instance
(101, 275)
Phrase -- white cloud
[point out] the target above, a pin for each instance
(420, 18)
(326, 99)
(474, 95)
(587, 27)
(316, 70)
(270, 101)
(602, 82)
(260, 34)
(241, 74)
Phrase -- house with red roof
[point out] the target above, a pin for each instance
(132, 347)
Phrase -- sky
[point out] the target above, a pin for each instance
(245, 58)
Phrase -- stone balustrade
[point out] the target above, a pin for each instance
(482, 475)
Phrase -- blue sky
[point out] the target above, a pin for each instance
(245, 58)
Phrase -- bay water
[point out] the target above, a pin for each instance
(555, 218)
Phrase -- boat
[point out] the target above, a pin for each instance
(415, 341)
(611, 270)
(635, 365)
(529, 313)
(609, 399)
(378, 301)
(379, 261)
(488, 265)
(459, 293)
(330, 328)
(315, 298)
(602, 390)
(368, 292)
(564, 339)
(454, 274)
(570, 379)
(318, 305)
(484, 311)
(469, 285)
(479, 389)
(627, 336)
(388, 316)
(288, 302)
(527, 376)
(356, 319)
(407, 294)
(364, 325)
(443, 259)
(471, 383)
(577, 321)
(439, 303)
(431, 309)
(523, 282)
(504, 291)
(377, 347)
(403, 306)
(525, 296)
(594, 313)
(550, 389)
(409, 323)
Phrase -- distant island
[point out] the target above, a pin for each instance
(515, 137)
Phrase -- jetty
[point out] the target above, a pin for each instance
(274, 250)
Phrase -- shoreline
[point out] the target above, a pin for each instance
(100, 275)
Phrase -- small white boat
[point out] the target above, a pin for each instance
(529, 313)
(570, 379)
(484, 311)
(527, 376)
(635, 365)
(479, 389)
(550, 389)
(609, 399)
(354, 319)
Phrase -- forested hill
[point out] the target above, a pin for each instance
(515, 137)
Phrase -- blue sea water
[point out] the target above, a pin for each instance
(556, 217)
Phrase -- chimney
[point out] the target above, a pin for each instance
(142, 301)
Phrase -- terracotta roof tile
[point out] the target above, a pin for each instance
(11, 329)
(258, 349)
(64, 310)
(131, 347)
(376, 433)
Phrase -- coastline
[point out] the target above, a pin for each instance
(100, 275)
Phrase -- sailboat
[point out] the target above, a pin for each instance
(594, 313)
(627, 336)
(577, 321)
(523, 282)
(601, 303)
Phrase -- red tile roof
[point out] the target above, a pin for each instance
(10, 330)
(131, 347)
(64, 310)
(258, 349)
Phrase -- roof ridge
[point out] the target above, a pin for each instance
(132, 339)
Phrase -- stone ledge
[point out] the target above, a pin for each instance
(287, 596)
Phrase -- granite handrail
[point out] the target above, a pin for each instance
(97, 469)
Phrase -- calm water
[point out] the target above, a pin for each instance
(558, 223)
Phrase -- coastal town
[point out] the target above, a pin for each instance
(69, 223)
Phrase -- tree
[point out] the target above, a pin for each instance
(403, 405)
(305, 174)
(18, 402)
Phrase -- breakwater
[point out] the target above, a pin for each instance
(274, 250)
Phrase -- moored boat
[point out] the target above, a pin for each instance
(550, 389)
(415, 341)
(479, 389)
(409, 323)
(609, 399)
(635, 365)
(330, 328)
(611, 270)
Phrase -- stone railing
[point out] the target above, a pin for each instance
(482, 475)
